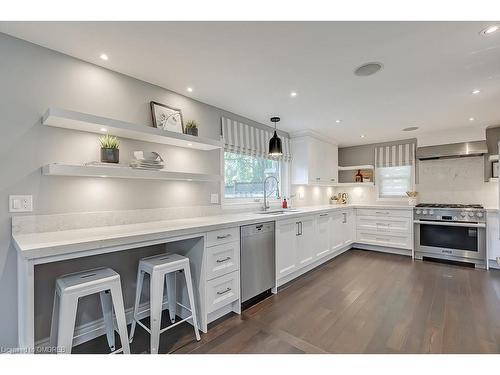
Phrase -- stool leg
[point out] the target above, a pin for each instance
(192, 305)
(156, 302)
(138, 292)
(172, 295)
(121, 322)
(55, 321)
(107, 312)
(67, 317)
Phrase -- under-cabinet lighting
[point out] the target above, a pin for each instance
(490, 30)
(476, 91)
(189, 89)
(190, 144)
(104, 57)
(471, 119)
(293, 94)
(104, 129)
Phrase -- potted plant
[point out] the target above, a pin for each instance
(110, 152)
(192, 128)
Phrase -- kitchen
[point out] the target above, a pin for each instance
(279, 223)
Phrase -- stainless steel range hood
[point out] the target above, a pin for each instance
(453, 150)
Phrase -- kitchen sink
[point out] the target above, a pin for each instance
(279, 212)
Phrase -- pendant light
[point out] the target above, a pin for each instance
(275, 148)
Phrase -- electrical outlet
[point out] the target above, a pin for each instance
(214, 198)
(498, 261)
(20, 203)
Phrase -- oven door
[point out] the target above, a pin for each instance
(451, 239)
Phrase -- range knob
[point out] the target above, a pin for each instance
(463, 213)
(479, 214)
(431, 212)
(418, 212)
(471, 214)
(424, 212)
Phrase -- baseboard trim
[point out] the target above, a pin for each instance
(382, 249)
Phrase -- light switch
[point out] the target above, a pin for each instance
(20, 203)
(214, 198)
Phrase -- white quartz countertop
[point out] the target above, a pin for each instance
(47, 244)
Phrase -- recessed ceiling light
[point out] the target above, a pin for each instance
(410, 129)
(490, 30)
(190, 144)
(476, 91)
(337, 121)
(104, 129)
(368, 69)
(189, 89)
(362, 135)
(104, 57)
(471, 118)
(293, 94)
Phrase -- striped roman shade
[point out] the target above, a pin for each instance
(249, 140)
(395, 155)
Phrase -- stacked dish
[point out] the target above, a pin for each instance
(147, 160)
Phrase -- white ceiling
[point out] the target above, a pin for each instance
(250, 68)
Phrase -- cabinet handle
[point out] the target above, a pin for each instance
(318, 178)
(224, 291)
(345, 218)
(301, 228)
(224, 236)
(382, 239)
(332, 179)
(382, 212)
(223, 260)
(323, 215)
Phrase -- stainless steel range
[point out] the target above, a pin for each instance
(452, 232)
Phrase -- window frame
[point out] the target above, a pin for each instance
(393, 199)
(284, 187)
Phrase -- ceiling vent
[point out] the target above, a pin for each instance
(368, 69)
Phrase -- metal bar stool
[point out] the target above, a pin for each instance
(162, 270)
(69, 288)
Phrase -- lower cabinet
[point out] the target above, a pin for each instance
(305, 240)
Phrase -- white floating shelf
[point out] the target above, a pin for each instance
(62, 118)
(356, 167)
(356, 184)
(493, 158)
(82, 170)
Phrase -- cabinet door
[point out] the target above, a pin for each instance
(306, 249)
(322, 235)
(337, 236)
(286, 247)
(349, 227)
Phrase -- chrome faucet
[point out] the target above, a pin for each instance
(266, 204)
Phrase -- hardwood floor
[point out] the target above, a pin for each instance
(361, 302)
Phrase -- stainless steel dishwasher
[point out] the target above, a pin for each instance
(257, 261)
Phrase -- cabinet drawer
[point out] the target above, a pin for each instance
(222, 291)
(381, 212)
(384, 239)
(218, 237)
(384, 224)
(222, 259)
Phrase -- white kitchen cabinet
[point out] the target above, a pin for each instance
(315, 160)
(287, 232)
(493, 238)
(306, 247)
(385, 227)
(336, 226)
(323, 231)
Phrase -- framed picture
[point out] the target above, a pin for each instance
(167, 118)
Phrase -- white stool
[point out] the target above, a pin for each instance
(162, 269)
(69, 288)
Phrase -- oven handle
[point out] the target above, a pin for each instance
(451, 224)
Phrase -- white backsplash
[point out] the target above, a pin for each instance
(440, 181)
(456, 181)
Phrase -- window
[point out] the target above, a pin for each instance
(394, 182)
(244, 175)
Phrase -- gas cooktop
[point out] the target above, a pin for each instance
(449, 205)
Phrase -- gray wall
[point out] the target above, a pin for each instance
(33, 79)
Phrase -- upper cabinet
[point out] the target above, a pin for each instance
(315, 160)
